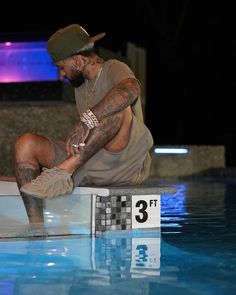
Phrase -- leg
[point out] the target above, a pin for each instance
(57, 181)
(32, 152)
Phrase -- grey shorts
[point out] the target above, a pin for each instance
(60, 153)
(82, 176)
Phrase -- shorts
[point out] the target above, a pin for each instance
(81, 176)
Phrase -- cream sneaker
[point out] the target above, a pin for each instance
(49, 184)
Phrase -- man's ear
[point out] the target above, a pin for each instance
(77, 61)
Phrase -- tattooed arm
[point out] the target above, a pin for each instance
(117, 99)
(97, 138)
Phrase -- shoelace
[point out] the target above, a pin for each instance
(46, 175)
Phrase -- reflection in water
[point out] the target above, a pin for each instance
(71, 266)
(193, 254)
(173, 208)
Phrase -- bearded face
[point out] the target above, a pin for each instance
(76, 79)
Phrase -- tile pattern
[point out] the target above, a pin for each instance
(113, 213)
(114, 255)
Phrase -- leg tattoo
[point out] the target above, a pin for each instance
(33, 206)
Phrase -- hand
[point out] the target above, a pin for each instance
(77, 135)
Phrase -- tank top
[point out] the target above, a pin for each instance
(130, 165)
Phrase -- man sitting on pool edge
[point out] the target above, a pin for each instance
(110, 144)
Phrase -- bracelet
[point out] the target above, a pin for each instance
(89, 119)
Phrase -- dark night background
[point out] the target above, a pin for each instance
(191, 50)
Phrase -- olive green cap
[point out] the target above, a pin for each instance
(69, 41)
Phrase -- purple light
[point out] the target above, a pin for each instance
(26, 62)
(8, 44)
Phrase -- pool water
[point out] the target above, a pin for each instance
(194, 253)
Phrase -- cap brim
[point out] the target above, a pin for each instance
(97, 37)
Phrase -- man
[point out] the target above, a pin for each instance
(109, 146)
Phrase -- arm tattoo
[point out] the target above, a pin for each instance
(101, 135)
(117, 99)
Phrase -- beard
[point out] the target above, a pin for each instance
(77, 79)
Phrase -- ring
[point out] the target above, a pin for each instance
(78, 145)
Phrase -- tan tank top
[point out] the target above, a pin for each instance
(115, 168)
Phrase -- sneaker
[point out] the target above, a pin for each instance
(49, 184)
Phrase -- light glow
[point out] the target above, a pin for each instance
(26, 62)
(171, 150)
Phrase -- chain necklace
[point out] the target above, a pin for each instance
(89, 93)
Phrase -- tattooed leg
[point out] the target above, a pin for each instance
(112, 133)
(31, 153)
(33, 206)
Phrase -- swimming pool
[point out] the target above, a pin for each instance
(194, 253)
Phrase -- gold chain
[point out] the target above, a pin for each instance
(89, 93)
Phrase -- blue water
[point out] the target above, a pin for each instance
(195, 252)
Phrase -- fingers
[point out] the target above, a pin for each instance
(77, 148)
(69, 147)
(77, 138)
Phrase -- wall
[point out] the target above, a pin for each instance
(198, 159)
(51, 119)
(55, 119)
